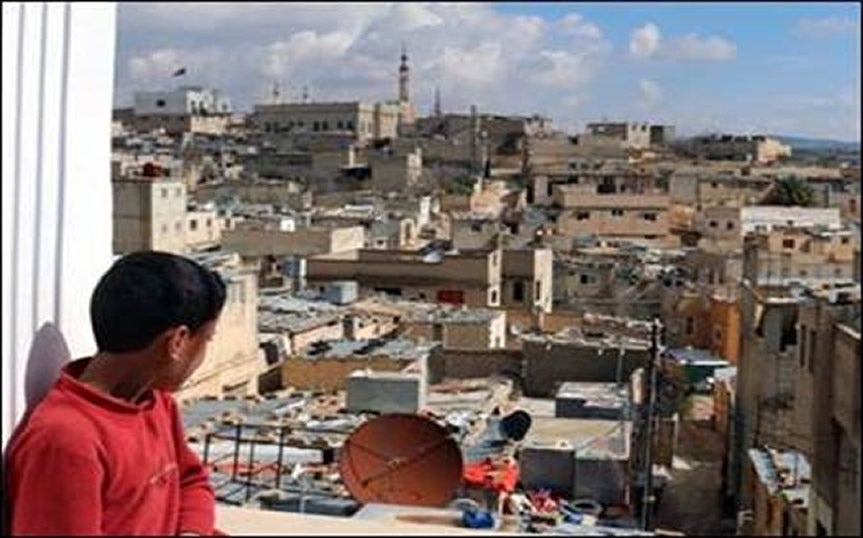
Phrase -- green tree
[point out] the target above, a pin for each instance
(790, 191)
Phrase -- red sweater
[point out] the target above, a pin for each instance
(88, 463)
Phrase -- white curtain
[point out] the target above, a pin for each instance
(58, 77)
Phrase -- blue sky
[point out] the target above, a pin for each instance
(789, 68)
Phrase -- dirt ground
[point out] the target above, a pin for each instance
(692, 499)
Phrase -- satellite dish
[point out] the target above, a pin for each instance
(401, 459)
(515, 425)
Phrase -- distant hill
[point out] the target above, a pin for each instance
(800, 143)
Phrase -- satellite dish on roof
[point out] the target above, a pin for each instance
(401, 459)
(515, 425)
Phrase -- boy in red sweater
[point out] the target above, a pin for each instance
(104, 452)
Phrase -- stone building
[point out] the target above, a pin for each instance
(365, 121)
(233, 361)
(467, 277)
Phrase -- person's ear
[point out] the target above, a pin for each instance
(177, 339)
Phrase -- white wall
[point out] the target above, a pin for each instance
(58, 72)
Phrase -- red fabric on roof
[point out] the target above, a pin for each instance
(487, 474)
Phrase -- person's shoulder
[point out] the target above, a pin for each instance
(56, 429)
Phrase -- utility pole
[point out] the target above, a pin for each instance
(648, 498)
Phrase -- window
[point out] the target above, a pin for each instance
(476, 226)
(178, 226)
(316, 126)
(538, 292)
(340, 125)
(649, 216)
(713, 224)
(193, 225)
(350, 125)
(787, 243)
(548, 188)
(582, 215)
(164, 193)
(164, 229)
(845, 240)
(729, 225)
(803, 272)
(209, 223)
(690, 325)
(493, 297)
(325, 126)
(160, 103)
(437, 332)
(616, 212)
(837, 272)
(585, 279)
(518, 291)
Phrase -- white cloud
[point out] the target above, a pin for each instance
(644, 41)
(473, 53)
(826, 27)
(693, 47)
(575, 25)
(647, 42)
(650, 93)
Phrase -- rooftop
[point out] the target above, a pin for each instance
(785, 472)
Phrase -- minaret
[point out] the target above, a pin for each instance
(404, 77)
(437, 107)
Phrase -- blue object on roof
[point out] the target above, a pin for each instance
(477, 519)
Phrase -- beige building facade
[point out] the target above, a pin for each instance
(233, 361)
(468, 277)
(367, 121)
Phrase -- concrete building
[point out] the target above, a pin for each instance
(608, 205)
(285, 194)
(461, 329)
(149, 214)
(725, 226)
(364, 120)
(748, 148)
(579, 355)
(779, 482)
(527, 279)
(185, 109)
(632, 134)
(809, 256)
(327, 365)
(605, 401)
(393, 171)
(233, 362)
(259, 239)
(705, 187)
(385, 392)
(203, 229)
(578, 458)
(467, 277)
(827, 408)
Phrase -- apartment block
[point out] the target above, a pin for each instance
(149, 214)
(467, 277)
(527, 279)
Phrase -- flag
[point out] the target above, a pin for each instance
(179, 72)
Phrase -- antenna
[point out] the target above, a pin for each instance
(275, 93)
(305, 98)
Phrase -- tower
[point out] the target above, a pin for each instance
(404, 77)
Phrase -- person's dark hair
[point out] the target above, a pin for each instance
(145, 293)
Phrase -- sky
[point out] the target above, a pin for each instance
(776, 68)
